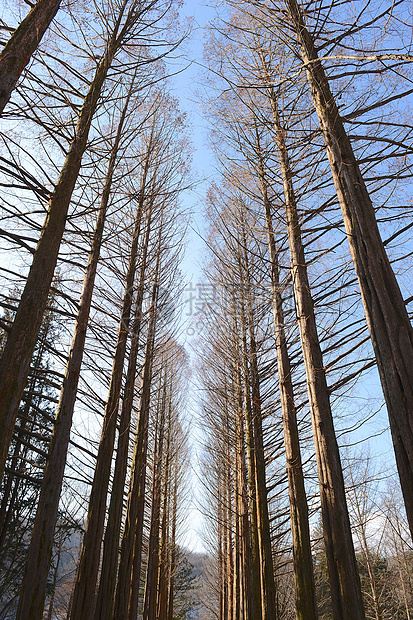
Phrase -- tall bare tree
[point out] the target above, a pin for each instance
(22, 44)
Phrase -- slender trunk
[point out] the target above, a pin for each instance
(131, 546)
(386, 314)
(225, 555)
(171, 589)
(15, 361)
(229, 531)
(305, 598)
(341, 560)
(256, 598)
(135, 575)
(107, 585)
(221, 575)
(243, 499)
(33, 590)
(55, 573)
(237, 594)
(84, 592)
(264, 537)
(22, 44)
(164, 546)
(152, 572)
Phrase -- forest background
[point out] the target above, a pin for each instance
(246, 389)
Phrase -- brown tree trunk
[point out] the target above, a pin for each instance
(238, 593)
(245, 547)
(256, 598)
(33, 589)
(152, 571)
(228, 531)
(305, 598)
(264, 537)
(164, 568)
(171, 585)
(22, 44)
(221, 576)
(341, 560)
(84, 592)
(128, 580)
(15, 361)
(107, 584)
(387, 318)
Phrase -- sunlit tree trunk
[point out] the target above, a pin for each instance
(164, 567)
(221, 573)
(238, 593)
(242, 490)
(305, 598)
(228, 530)
(268, 594)
(171, 585)
(152, 572)
(84, 592)
(342, 566)
(256, 598)
(386, 314)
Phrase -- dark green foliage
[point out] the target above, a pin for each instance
(186, 601)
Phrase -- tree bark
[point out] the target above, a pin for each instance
(242, 486)
(164, 568)
(15, 361)
(131, 546)
(22, 44)
(152, 572)
(305, 598)
(34, 583)
(387, 319)
(342, 567)
(107, 584)
(84, 592)
(268, 593)
(256, 597)
(171, 585)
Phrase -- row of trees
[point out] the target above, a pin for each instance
(309, 226)
(94, 443)
(303, 266)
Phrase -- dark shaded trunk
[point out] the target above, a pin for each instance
(127, 587)
(22, 44)
(15, 361)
